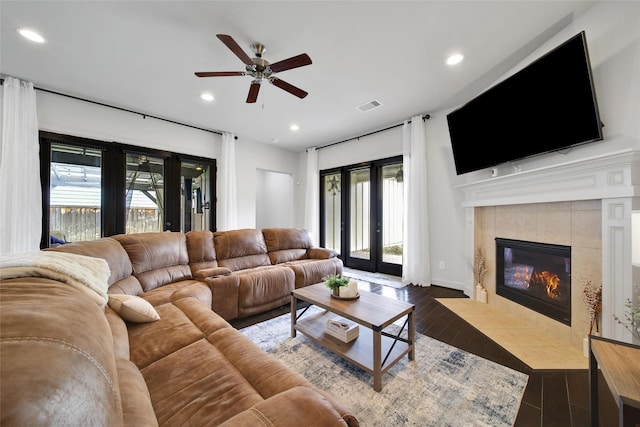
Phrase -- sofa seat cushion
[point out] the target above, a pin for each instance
(214, 379)
(56, 349)
(301, 404)
(178, 290)
(181, 323)
(204, 387)
(308, 272)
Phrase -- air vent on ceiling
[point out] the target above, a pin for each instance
(369, 105)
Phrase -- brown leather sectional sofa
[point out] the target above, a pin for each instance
(66, 360)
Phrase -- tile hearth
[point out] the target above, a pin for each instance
(536, 348)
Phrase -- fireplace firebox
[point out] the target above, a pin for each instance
(535, 275)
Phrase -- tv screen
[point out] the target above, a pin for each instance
(549, 105)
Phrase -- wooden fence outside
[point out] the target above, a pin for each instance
(80, 223)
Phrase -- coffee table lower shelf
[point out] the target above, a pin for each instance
(360, 351)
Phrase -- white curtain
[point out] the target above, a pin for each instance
(20, 190)
(312, 196)
(227, 199)
(415, 256)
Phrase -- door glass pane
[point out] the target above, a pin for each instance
(359, 214)
(332, 211)
(392, 213)
(194, 207)
(144, 193)
(75, 194)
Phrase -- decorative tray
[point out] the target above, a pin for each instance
(346, 298)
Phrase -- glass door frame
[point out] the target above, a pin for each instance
(356, 262)
(375, 262)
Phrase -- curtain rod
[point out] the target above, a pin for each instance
(425, 117)
(144, 116)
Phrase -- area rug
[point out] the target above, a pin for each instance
(443, 386)
(378, 278)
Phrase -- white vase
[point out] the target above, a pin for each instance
(483, 296)
(479, 289)
(585, 346)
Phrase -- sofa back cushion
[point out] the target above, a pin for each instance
(202, 253)
(106, 248)
(157, 258)
(241, 249)
(286, 244)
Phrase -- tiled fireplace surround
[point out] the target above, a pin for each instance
(586, 204)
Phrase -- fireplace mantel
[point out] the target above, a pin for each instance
(613, 178)
(611, 175)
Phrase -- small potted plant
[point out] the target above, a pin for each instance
(334, 282)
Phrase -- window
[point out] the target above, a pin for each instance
(75, 193)
(144, 193)
(93, 189)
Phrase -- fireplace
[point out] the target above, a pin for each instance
(535, 275)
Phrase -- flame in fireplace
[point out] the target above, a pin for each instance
(550, 281)
(521, 274)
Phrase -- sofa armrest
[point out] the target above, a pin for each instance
(298, 406)
(211, 272)
(321, 253)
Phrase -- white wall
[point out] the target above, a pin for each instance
(68, 116)
(251, 156)
(613, 36)
(274, 199)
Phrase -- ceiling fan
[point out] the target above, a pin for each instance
(260, 69)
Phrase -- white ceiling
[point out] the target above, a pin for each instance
(142, 55)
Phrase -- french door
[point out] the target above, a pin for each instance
(362, 215)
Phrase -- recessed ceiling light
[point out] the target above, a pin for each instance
(454, 59)
(294, 127)
(207, 97)
(31, 35)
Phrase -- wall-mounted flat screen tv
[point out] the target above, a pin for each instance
(550, 105)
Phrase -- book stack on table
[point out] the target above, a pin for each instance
(343, 329)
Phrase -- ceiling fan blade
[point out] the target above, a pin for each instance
(235, 48)
(293, 62)
(288, 87)
(253, 92)
(219, 73)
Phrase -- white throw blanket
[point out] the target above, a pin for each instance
(82, 272)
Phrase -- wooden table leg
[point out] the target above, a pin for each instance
(412, 336)
(593, 388)
(294, 312)
(377, 358)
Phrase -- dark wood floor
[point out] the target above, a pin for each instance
(552, 398)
